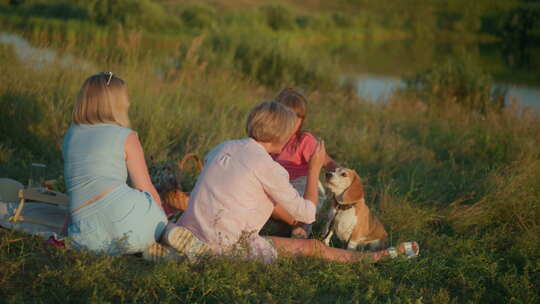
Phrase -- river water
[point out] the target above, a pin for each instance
(376, 68)
(379, 88)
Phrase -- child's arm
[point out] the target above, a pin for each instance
(316, 163)
(309, 149)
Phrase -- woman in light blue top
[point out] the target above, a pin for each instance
(100, 150)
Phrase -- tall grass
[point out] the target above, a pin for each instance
(457, 80)
(463, 183)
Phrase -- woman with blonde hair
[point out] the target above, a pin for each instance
(100, 150)
(241, 186)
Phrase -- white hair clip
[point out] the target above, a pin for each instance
(110, 77)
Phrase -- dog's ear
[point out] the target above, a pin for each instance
(355, 192)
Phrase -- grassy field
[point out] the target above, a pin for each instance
(464, 183)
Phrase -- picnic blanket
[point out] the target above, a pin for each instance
(34, 213)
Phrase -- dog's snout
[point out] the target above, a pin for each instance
(328, 175)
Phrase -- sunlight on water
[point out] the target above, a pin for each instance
(379, 89)
(375, 87)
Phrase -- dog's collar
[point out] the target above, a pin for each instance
(345, 207)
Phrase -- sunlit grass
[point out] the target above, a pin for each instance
(464, 184)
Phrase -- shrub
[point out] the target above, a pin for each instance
(198, 17)
(342, 20)
(278, 17)
(311, 22)
(266, 59)
(129, 13)
(59, 10)
(274, 63)
(457, 80)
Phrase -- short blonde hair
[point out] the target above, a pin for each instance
(103, 98)
(270, 121)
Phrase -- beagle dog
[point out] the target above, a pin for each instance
(349, 217)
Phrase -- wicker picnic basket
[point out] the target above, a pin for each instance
(177, 198)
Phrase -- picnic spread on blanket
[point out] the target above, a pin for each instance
(36, 210)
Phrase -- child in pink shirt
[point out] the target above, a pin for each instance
(297, 152)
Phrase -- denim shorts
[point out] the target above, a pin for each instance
(124, 221)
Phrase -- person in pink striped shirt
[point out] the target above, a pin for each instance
(241, 186)
(297, 152)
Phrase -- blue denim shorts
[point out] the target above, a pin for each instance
(124, 221)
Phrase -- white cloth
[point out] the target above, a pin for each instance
(41, 219)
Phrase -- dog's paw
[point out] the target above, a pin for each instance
(327, 241)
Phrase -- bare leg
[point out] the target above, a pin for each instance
(312, 247)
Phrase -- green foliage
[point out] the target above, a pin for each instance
(5, 153)
(129, 13)
(342, 20)
(278, 17)
(268, 59)
(275, 64)
(511, 20)
(312, 22)
(522, 23)
(55, 9)
(456, 80)
(198, 17)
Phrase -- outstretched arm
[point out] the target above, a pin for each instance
(316, 162)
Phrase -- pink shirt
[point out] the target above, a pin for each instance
(296, 161)
(235, 195)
